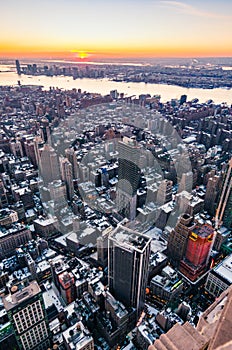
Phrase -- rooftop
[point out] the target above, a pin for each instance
(130, 238)
(203, 231)
(225, 269)
(77, 336)
(21, 293)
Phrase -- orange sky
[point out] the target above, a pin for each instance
(126, 28)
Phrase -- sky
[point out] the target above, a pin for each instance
(115, 28)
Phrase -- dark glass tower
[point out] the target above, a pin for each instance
(129, 253)
(18, 68)
(129, 175)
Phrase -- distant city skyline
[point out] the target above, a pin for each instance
(107, 29)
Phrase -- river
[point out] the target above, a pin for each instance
(104, 86)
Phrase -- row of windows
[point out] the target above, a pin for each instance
(34, 336)
(215, 286)
(28, 316)
(14, 241)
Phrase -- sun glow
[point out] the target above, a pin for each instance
(81, 54)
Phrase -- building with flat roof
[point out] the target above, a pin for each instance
(129, 253)
(220, 278)
(129, 174)
(77, 337)
(46, 227)
(26, 311)
(167, 285)
(12, 238)
(197, 253)
(67, 286)
(178, 239)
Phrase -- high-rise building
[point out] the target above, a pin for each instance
(102, 247)
(129, 175)
(211, 194)
(183, 99)
(49, 165)
(16, 148)
(224, 209)
(129, 253)
(45, 130)
(26, 311)
(197, 251)
(30, 150)
(18, 68)
(178, 239)
(164, 194)
(39, 144)
(67, 286)
(67, 176)
(12, 238)
(71, 156)
(186, 182)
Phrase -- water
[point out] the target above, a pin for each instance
(104, 86)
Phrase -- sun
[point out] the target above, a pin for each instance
(82, 55)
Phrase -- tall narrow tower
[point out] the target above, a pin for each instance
(18, 68)
(49, 165)
(129, 253)
(67, 176)
(128, 177)
(178, 238)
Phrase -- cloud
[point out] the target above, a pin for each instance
(191, 10)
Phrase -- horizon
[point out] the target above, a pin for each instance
(101, 59)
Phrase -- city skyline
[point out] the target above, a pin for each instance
(116, 175)
(104, 29)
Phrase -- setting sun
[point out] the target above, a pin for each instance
(82, 54)
(165, 29)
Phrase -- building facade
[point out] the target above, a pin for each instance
(178, 239)
(128, 266)
(197, 253)
(220, 278)
(26, 312)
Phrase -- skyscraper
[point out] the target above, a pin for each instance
(129, 175)
(164, 194)
(67, 176)
(71, 156)
(18, 68)
(178, 238)
(211, 194)
(26, 312)
(129, 253)
(197, 251)
(49, 165)
(224, 209)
